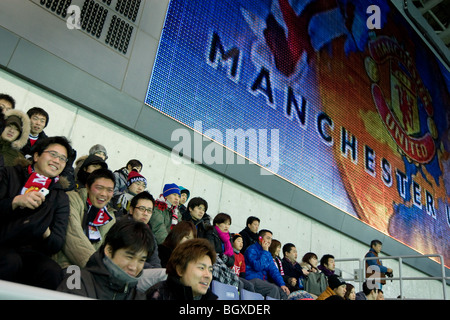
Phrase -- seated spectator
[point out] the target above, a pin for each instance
(38, 122)
(239, 263)
(336, 286)
(292, 269)
(6, 103)
(259, 266)
(166, 213)
(99, 151)
(250, 232)
(136, 184)
(275, 249)
(196, 212)
(316, 282)
(89, 165)
(189, 273)
(90, 219)
(219, 236)
(350, 293)
(113, 271)
(121, 175)
(327, 265)
(34, 224)
(369, 292)
(13, 137)
(184, 197)
(141, 209)
(183, 231)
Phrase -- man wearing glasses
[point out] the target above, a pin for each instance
(141, 209)
(90, 219)
(34, 212)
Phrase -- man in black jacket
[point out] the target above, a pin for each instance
(34, 211)
(250, 233)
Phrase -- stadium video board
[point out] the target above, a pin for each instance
(351, 104)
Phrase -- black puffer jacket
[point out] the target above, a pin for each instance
(25, 227)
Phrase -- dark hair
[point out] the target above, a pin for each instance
(367, 290)
(39, 111)
(308, 257)
(7, 97)
(262, 232)
(190, 250)
(100, 173)
(251, 219)
(375, 242)
(324, 259)
(42, 144)
(132, 234)
(275, 244)
(197, 201)
(221, 218)
(178, 232)
(134, 163)
(288, 247)
(143, 195)
(348, 287)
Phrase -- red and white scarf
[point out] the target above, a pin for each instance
(37, 181)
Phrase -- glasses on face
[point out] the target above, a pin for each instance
(55, 155)
(142, 209)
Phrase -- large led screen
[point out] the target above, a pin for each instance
(341, 98)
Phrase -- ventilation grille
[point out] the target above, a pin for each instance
(112, 22)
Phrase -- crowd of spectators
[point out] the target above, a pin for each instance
(61, 212)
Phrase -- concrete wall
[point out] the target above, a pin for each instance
(95, 95)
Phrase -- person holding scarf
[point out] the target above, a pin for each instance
(34, 213)
(166, 213)
(91, 217)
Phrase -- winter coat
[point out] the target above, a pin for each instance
(103, 280)
(201, 225)
(161, 220)
(25, 227)
(27, 148)
(326, 294)
(259, 264)
(248, 237)
(10, 151)
(78, 248)
(213, 237)
(173, 289)
(121, 180)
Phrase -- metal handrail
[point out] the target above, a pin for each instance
(362, 274)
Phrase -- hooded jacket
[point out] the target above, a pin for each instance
(10, 151)
(104, 280)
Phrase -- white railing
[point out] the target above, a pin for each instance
(361, 276)
(17, 291)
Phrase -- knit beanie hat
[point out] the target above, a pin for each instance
(98, 148)
(334, 281)
(134, 176)
(170, 188)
